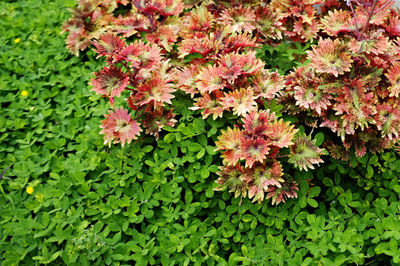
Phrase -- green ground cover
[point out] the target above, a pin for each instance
(153, 202)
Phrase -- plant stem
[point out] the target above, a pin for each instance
(131, 75)
(139, 116)
(355, 21)
(283, 156)
(370, 14)
(127, 68)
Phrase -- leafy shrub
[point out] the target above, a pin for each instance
(350, 84)
(137, 68)
(215, 60)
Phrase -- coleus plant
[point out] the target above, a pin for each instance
(251, 155)
(351, 85)
(94, 18)
(208, 50)
(90, 19)
(138, 68)
(218, 63)
(279, 19)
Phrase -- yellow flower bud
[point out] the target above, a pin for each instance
(17, 40)
(29, 190)
(24, 93)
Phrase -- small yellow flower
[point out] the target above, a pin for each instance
(24, 93)
(17, 40)
(29, 190)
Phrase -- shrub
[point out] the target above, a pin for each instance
(210, 48)
(350, 84)
(218, 61)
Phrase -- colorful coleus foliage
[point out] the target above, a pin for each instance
(351, 85)
(140, 70)
(206, 49)
(220, 71)
(294, 19)
(251, 152)
(217, 51)
(137, 69)
(93, 18)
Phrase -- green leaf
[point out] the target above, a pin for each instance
(194, 147)
(370, 172)
(147, 148)
(373, 160)
(212, 132)
(313, 203)
(204, 173)
(327, 181)
(211, 232)
(319, 138)
(349, 196)
(188, 196)
(169, 137)
(201, 153)
(340, 260)
(303, 202)
(247, 218)
(314, 192)
(381, 248)
(355, 204)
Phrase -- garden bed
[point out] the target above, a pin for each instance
(67, 198)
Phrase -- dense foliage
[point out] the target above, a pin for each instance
(208, 51)
(351, 84)
(67, 199)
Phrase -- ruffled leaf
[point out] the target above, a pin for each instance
(304, 153)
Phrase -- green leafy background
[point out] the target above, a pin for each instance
(153, 202)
